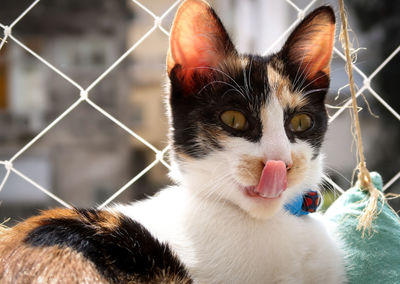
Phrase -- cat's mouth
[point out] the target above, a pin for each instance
(272, 183)
(251, 192)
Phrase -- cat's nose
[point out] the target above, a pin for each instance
(288, 165)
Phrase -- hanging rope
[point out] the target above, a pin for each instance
(364, 179)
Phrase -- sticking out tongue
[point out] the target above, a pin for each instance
(273, 179)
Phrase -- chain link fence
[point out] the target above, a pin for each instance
(336, 110)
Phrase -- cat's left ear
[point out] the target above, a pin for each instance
(309, 48)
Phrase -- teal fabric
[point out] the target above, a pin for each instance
(375, 258)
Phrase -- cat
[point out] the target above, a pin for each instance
(246, 133)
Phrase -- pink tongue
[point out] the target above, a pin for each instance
(273, 179)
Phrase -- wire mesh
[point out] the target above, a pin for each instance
(159, 154)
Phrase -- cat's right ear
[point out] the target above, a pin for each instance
(308, 50)
(198, 42)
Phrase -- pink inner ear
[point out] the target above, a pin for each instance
(195, 38)
(318, 53)
(194, 48)
(311, 43)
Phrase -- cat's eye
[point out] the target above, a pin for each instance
(300, 122)
(234, 119)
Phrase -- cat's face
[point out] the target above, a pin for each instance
(245, 129)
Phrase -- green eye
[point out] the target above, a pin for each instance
(300, 122)
(234, 119)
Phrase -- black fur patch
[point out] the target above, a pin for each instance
(245, 89)
(128, 252)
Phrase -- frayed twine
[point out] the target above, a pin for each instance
(376, 197)
(374, 207)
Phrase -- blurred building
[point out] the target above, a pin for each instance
(84, 158)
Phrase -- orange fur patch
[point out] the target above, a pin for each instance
(249, 169)
(281, 86)
(103, 220)
(20, 263)
(298, 169)
(183, 156)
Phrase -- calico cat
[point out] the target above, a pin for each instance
(246, 133)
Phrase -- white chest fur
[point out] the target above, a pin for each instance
(219, 243)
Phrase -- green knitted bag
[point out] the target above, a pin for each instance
(373, 258)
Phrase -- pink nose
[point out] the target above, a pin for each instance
(273, 179)
(288, 165)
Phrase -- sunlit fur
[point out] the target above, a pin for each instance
(219, 232)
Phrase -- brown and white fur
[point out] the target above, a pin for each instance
(214, 226)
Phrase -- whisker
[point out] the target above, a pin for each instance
(220, 71)
(315, 91)
(333, 71)
(319, 77)
(245, 78)
(297, 72)
(328, 187)
(338, 173)
(249, 75)
(222, 82)
(303, 75)
(230, 90)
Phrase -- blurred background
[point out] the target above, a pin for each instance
(85, 158)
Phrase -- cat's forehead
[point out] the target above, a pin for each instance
(262, 78)
(282, 87)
